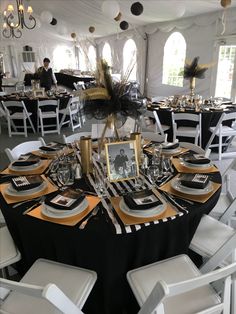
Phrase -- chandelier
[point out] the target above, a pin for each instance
(17, 19)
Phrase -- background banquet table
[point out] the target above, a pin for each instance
(103, 247)
(209, 119)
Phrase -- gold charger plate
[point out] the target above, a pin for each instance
(182, 168)
(14, 199)
(131, 220)
(38, 170)
(68, 221)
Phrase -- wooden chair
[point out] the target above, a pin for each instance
(187, 131)
(195, 148)
(176, 285)
(225, 208)
(48, 109)
(24, 148)
(9, 253)
(154, 137)
(21, 114)
(72, 114)
(48, 287)
(74, 137)
(223, 131)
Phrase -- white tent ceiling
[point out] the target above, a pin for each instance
(78, 15)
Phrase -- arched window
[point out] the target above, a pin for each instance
(174, 58)
(130, 60)
(106, 54)
(63, 58)
(82, 61)
(92, 58)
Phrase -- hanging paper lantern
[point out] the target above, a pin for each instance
(91, 29)
(136, 8)
(225, 3)
(118, 17)
(46, 17)
(124, 25)
(111, 8)
(73, 35)
(54, 21)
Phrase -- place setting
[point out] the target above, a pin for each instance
(52, 150)
(26, 187)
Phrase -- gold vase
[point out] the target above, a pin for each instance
(192, 82)
(86, 154)
(137, 137)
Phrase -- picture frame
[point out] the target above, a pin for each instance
(38, 93)
(122, 160)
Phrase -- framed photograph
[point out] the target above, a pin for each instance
(39, 93)
(122, 162)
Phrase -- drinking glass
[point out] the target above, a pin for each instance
(63, 173)
(153, 173)
(100, 183)
(166, 166)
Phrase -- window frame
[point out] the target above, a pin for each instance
(163, 63)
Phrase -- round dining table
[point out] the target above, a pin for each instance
(210, 118)
(106, 245)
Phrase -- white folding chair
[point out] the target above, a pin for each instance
(223, 131)
(225, 208)
(187, 131)
(74, 137)
(24, 148)
(176, 286)
(79, 85)
(71, 114)
(21, 114)
(159, 128)
(195, 148)
(48, 287)
(154, 137)
(48, 109)
(9, 253)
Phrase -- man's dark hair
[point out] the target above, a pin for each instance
(46, 60)
(122, 150)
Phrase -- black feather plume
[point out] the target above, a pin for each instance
(194, 70)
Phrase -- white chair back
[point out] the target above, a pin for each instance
(171, 295)
(159, 127)
(44, 290)
(154, 137)
(23, 148)
(221, 130)
(192, 132)
(72, 114)
(48, 109)
(74, 137)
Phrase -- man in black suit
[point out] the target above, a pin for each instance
(46, 75)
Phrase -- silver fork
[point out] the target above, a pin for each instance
(93, 213)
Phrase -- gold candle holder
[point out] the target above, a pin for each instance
(86, 154)
(137, 137)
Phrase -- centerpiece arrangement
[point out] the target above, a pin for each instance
(113, 101)
(192, 71)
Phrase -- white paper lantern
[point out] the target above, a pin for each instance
(62, 29)
(46, 17)
(111, 8)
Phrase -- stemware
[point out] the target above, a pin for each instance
(63, 173)
(153, 173)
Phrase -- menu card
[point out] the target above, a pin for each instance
(24, 183)
(197, 181)
(66, 200)
(142, 200)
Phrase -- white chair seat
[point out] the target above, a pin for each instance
(226, 131)
(49, 114)
(187, 131)
(210, 236)
(173, 270)
(9, 254)
(221, 205)
(76, 283)
(19, 115)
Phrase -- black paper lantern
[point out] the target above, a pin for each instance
(91, 29)
(124, 25)
(136, 8)
(54, 21)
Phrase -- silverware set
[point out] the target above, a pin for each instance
(91, 215)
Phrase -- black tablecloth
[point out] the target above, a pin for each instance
(209, 119)
(68, 80)
(99, 248)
